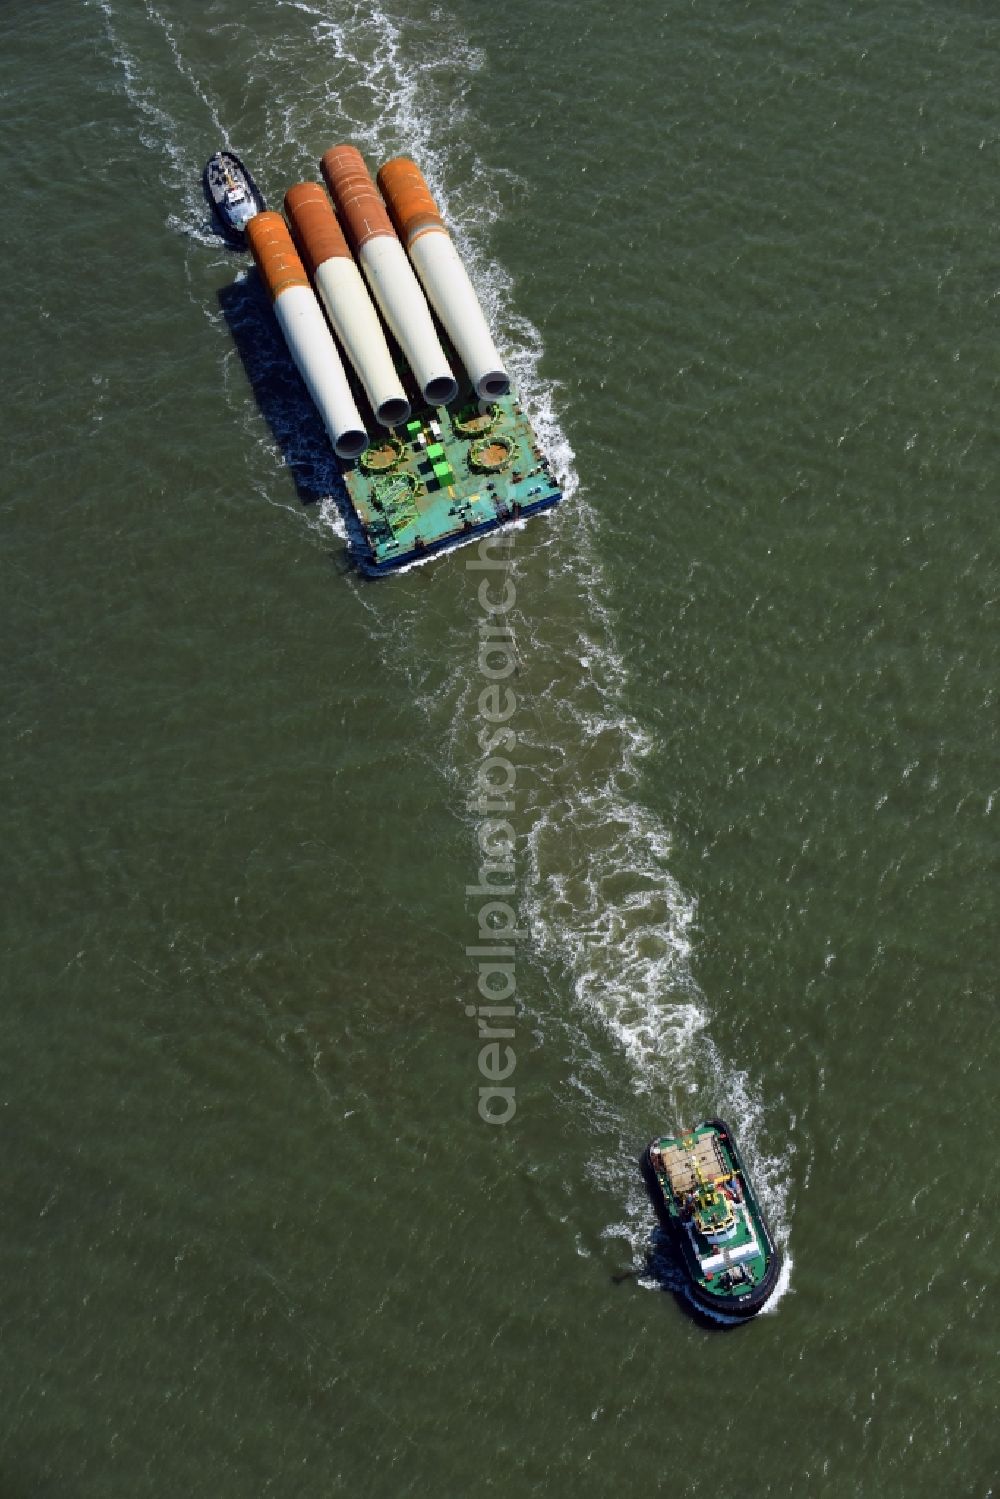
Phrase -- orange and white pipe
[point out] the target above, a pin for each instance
(343, 293)
(442, 274)
(388, 272)
(309, 340)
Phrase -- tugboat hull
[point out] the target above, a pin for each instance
(704, 1200)
(232, 194)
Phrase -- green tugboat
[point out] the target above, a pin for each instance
(705, 1201)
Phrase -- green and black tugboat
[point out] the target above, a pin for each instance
(705, 1201)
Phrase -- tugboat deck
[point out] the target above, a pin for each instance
(682, 1165)
(704, 1198)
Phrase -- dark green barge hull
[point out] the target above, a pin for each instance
(449, 476)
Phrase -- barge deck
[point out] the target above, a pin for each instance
(447, 476)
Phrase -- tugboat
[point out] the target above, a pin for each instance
(232, 194)
(704, 1199)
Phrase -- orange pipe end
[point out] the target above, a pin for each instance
(314, 225)
(274, 253)
(359, 207)
(411, 206)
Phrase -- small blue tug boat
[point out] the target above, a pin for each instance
(232, 194)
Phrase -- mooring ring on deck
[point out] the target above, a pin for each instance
(382, 457)
(491, 454)
(480, 424)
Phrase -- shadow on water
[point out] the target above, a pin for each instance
(662, 1269)
(285, 403)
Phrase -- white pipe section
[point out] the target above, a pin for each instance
(453, 297)
(356, 324)
(311, 345)
(397, 292)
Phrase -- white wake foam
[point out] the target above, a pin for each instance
(605, 912)
(186, 71)
(179, 156)
(608, 920)
(158, 130)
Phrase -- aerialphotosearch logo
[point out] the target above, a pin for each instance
(493, 802)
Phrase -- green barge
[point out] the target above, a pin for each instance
(706, 1202)
(448, 475)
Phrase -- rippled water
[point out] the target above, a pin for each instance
(742, 261)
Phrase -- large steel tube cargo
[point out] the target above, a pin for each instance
(343, 293)
(388, 271)
(445, 279)
(463, 462)
(307, 335)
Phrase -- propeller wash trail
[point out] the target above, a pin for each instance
(614, 926)
(609, 922)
